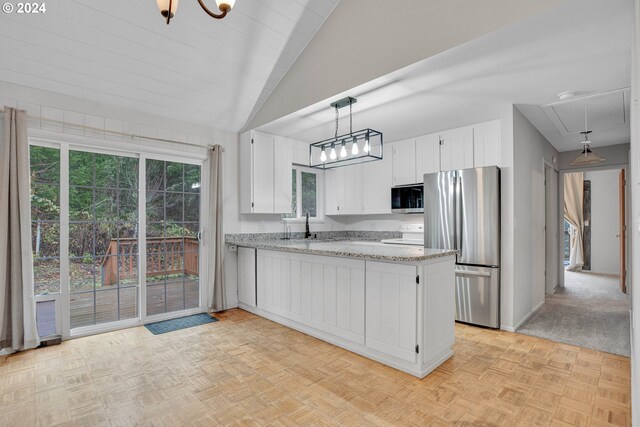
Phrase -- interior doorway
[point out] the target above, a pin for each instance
(588, 304)
(550, 228)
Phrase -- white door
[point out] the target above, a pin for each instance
(404, 162)
(486, 144)
(391, 307)
(377, 180)
(456, 149)
(247, 276)
(263, 172)
(427, 155)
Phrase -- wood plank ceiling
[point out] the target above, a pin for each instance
(197, 69)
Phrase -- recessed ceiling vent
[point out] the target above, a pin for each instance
(606, 110)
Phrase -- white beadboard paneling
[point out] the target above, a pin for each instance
(8, 102)
(96, 122)
(52, 119)
(33, 110)
(73, 123)
(113, 126)
(179, 136)
(131, 128)
(198, 70)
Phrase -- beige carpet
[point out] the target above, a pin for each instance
(590, 312)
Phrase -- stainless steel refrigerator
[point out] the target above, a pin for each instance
(462, 212)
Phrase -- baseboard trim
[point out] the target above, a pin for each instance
(419, 368)
(515, 328)
(520, 323)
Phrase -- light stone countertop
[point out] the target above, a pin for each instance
(367, 250)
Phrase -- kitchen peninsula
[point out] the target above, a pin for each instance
(390, 303)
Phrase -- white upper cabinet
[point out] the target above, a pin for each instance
(353, 189)
(300, 152)
(404, 162)
(456, 149)
(334, 191)
(376, 186)
(427, 155)
(265, 173)
(486, 144)
(359, 189)
(282, 178)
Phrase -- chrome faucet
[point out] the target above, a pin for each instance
(307, 233)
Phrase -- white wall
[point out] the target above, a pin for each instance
(634, 233)
(530, 150)
(614, 155)
(358, 32)
(75, 113)
(605, 246)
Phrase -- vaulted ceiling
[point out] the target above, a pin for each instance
(580, 45)
(197, 69)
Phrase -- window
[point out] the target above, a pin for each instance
(306, 190)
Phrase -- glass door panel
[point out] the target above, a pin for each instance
(103, 238)
(45, 236)
(173, 248)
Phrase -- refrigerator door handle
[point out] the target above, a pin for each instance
(472, 273)
(458, 213)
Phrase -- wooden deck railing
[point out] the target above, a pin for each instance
(165, 256)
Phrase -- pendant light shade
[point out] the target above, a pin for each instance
(168, 8)
(586, 157)
(164, 6)
(229, 3)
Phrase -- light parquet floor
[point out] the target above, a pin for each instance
(245, 370)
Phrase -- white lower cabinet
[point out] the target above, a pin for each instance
(376, 309)
(325, 293)
(247, 276)
(391, 307)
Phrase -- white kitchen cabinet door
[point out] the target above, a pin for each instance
(300, 152)
(352, 189)
(486, 144)
(334, 191)
(391, 309)
(325, 293)
(282, 178)
(456, 149)
(404, 162)
(247, 276)
(377, 180)
(262, 158)
(427, 155)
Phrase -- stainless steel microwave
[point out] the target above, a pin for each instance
(407, 198)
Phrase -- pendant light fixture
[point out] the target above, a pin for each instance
(168, 8)
(586, 157)
(370, 140)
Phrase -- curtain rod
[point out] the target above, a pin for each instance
(114, 132)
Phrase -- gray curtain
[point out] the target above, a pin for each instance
(215, 237)
(573, 213)
(18, 329)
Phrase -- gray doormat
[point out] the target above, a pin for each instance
(165, 326)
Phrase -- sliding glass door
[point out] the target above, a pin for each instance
(173, 247)
(90, 209)
(103, 238)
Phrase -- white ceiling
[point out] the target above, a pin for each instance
(581, 45)
(197, 69)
